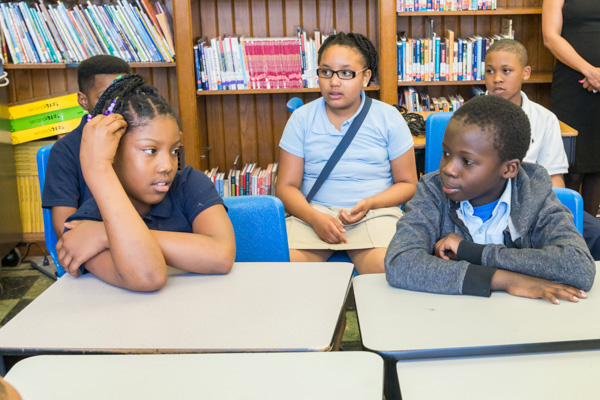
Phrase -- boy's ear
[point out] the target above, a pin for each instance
(83, 101)
(526, 72)
(510, 168)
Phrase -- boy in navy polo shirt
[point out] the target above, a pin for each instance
(64, 188)
(486, 221)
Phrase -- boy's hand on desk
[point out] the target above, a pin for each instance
(83, 241)
(357, 213)
(447, 247)
(535, 288)
(328, 228)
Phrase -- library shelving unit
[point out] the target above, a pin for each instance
(28, 81)
(224, 124)
(527, 24)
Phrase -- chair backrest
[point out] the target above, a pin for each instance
(49, 235)
(259, 225)
(574, 202)
(294, 103)
(435, 126)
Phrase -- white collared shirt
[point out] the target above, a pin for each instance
(490, 231)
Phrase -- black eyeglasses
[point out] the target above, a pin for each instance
(344, 74)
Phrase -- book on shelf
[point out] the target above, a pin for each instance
(42, 118)
(232, 62)
(415, 101)
(448, 59)
(249, 181)
(444, 5)
(56, 33)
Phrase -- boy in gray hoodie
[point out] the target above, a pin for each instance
(485, 221)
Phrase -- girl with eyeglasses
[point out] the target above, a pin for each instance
(356, 208)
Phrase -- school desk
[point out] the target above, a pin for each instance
(401, 324)
(256, 307)
(332, 375)
(548, 376)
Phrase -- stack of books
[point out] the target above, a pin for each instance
(43, 118)
(250, 180)
(28, 186)
(54, 33)
(444, 5)
(414, 101)
(240, 63)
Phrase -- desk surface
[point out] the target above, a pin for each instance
(402, 324)
(256, 307)
(332, 375)
(565, 130)
(558, 376)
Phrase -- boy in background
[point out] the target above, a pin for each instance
(64, 188)
(505, 71)
(485, 221)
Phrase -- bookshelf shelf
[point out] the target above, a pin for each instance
(537, 77)
(269, 91)
(65, 66)
(499, 11)
(526, 21)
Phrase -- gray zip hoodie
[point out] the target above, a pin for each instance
(540, 241)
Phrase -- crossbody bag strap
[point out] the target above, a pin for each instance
(340, 149)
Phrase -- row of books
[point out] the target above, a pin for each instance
(444, 5)
(54, 33)
(437, 59)
(239, 63)
(250, 180)
(414, 101)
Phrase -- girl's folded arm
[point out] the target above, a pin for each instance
(210, 249)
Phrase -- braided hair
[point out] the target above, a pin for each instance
(136, 101)
(358, 42)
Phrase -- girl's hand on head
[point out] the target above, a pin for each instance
(535, 288)
(357, 213)
(329, 229)
(85, 240)
(101, 137)
(447, 247)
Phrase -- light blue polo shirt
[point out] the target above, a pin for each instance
(490, 231)
(364, 169)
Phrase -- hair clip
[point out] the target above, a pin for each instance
(110, 108)
(117, 78)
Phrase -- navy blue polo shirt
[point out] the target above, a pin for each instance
(64, 185)
(191, 193)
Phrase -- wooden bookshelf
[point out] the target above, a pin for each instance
(527, 23)
(221, 124)
(249, 122)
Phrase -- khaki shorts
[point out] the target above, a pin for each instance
(376, 229)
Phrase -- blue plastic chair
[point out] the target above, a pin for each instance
(259, 225)
(574, 202)
(435, 126)
(294, 103)
(49, 235)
